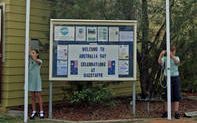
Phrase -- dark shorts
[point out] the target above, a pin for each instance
(175, 89)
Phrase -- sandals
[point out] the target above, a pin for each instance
(176, 115)
(164, 115)
(34, 114)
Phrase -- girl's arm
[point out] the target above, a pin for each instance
(38, 61)
(160, 57)
(175, 59)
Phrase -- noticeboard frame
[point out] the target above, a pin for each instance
(72, 22)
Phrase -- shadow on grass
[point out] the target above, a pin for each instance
(9, 119)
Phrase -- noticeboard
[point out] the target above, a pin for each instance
(92, 50)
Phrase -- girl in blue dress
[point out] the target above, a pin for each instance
(35, 83)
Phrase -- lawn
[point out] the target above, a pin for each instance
(9, 119)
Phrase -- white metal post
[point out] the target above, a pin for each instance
(26, 59)
(168, 58)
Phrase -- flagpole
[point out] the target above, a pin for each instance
(26, 60)
(168, 59)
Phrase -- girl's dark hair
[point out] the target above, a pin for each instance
(37, 52)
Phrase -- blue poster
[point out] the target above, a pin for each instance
(74, 67)
(111, 67)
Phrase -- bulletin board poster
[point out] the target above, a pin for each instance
(92, 50)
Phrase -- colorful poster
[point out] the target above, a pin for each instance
(102, 33)
(123, 51)
(113, 33)
(62, 52)
(91, 34)
(123, 67)
(62, 67)
(64, 33)
(80, 33)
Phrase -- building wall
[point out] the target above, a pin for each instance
(13, 72)
(13, 67)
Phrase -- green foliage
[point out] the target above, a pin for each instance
(90, 96)
(94, 9)
(184, 20)
(9, 119)
(183, 34)
(189, 86)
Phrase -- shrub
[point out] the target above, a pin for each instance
(189, 85)
(91, 96)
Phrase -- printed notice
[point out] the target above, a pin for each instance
(126, 33)
(64, 33)
(91, 34)
(62, 52)
(61, 67)
(123, 67)
(80, 33)
(113, 33)
(102, 33)
(124, 52)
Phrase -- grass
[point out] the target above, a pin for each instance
(9, 119)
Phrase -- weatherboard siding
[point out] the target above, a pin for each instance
(13, 72)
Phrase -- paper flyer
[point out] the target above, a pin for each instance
(62, 67)
(102, 33)
(123, 67)
(64, 33)
(80, 33)
(124, 52)
(126, 35)
(92, 34)
(113, 33)
(62, 52)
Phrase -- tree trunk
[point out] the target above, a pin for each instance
(144, 76)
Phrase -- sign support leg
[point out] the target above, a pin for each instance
(50, 99)
(134, 98)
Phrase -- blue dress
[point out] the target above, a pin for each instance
(35, 83)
